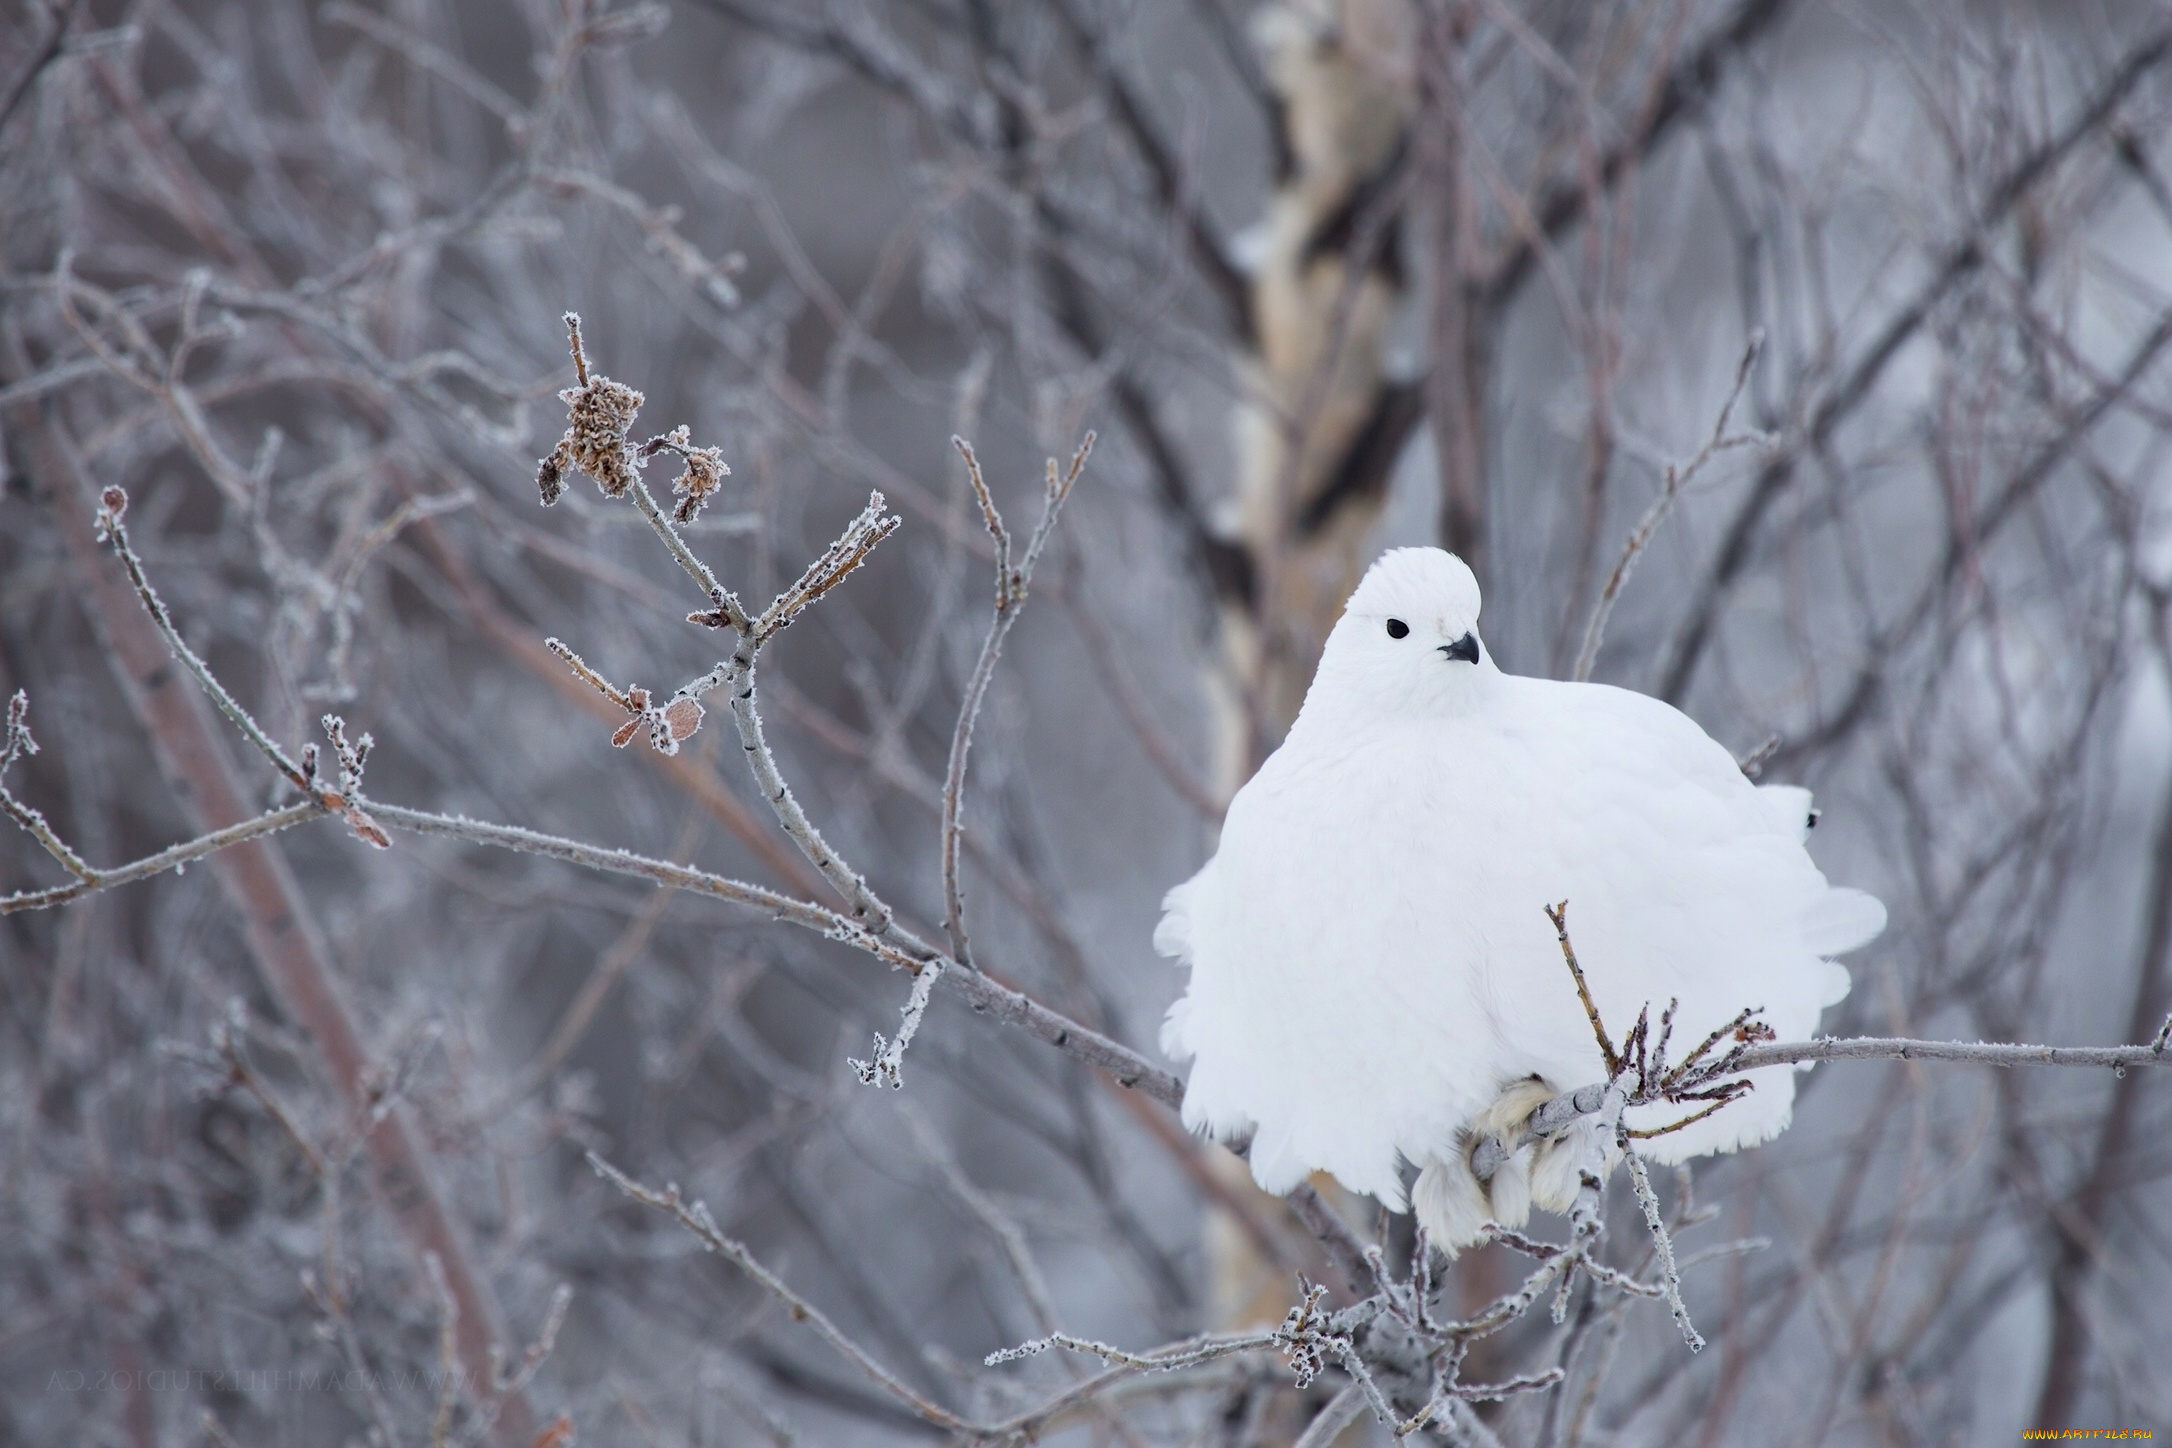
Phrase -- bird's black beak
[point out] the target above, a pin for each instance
(1465, 648)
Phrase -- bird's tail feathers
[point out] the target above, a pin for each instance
(1843, 920)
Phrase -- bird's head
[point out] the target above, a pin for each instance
(1408, 638)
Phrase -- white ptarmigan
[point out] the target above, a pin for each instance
(1373, 975)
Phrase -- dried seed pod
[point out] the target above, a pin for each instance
(599, 413)
(703, 473)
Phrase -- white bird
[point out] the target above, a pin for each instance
(1374, 980)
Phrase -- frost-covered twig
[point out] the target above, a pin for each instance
(983, 994)
(173, 857)
(1452, 1392)
(886, 1066)
(1599, 1272)
(1587, 1216)
(670, 724)
(596, 440)
(1308, 1336)
(868, 908)
(1586, 1099)
(1189, 1353)
(1669, 1273)
(21, 744)
(838, 562)
(1675, 479)
(343, 801)
(1013, 579)
(695, 1218)
(113, 503)
(1559, 915)
(1979, 1053)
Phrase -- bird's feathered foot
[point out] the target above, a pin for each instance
(1455, 1207)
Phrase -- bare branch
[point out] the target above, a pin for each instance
(20, 744)
(1669, 1273)
(695, 1218)
(837, 563)
(1013, 579)
(174, 857)
(112, 503)
(1673, 481)
(1559, 915)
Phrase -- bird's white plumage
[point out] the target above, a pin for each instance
(1371, 964)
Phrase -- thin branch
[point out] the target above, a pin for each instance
(20, 745)
(1013, 579)
(1979, 1053)
(982, 993)
(837, 563)
(173, 857)
(1960, 258)
(887, 1065)
(1669, 1273)
(1559, 914)
(113, 502)
(695, 1218)
(621, 697)
(1675, 479)
(1757, 1057)
(1189, 1353)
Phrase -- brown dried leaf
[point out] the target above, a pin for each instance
(367, 830)
(550, 479)
(682, 718)
(625, 733)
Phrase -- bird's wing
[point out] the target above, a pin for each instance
(1686, 883)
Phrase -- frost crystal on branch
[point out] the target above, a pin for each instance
(888, 1064)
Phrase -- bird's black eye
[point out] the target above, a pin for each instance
(1397, 629)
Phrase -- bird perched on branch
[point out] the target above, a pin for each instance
(1374, 978)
